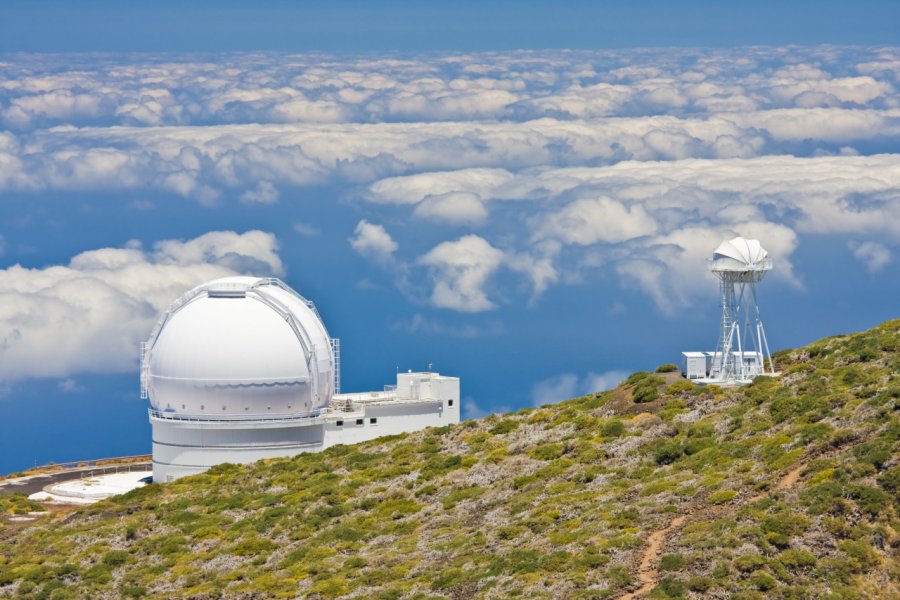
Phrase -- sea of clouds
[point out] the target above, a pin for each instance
(542, 167)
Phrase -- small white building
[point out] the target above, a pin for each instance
(698, 365)
(240, 369)
(695, 365)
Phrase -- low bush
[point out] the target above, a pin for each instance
(504, 426)
(671, 562)
(668, 453)
(460, 494)
(115, 558)
(762, 581)
(722, 496)
(699, 584)
(612, 428)
(667, 368)
(680, 387)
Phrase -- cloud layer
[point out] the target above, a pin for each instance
(91, 314)
(510, 172)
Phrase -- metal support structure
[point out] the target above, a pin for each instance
(145, 373)
(336, 359)
(742, 349)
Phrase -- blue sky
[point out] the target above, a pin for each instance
(521, 194)
(409, 25)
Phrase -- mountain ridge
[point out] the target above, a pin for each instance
(784, 488)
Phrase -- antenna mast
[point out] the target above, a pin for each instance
(741, 349)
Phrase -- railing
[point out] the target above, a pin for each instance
(74, 465)
(168, 416)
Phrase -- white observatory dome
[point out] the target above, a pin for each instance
(239, 346)
(740, 254)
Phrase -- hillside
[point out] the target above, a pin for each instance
(787, 488)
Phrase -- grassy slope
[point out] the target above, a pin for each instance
(554, 502)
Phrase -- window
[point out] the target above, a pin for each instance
(450, 402)
(359, 421)
(373, 420)
(339, 423)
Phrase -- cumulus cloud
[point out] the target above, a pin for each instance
(412, 189)
(460, 271)
(569, 385)
(373, 240)
(874, 255)
(653, 224)
(453, 207)
(554, 389)
(473, 410)
(91, 314)
(589, 221)
(263, 193)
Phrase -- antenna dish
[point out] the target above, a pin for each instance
(741, 256)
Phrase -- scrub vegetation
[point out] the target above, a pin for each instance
(788, 488)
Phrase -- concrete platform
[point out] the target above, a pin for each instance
(88, 490)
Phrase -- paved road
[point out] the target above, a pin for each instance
(36, 483)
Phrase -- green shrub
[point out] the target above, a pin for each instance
(781, 527)
(699, 584)
(667, 453)
(875, 453)
(679, 387)
(671, 587)
(132, 591)
(796, 558)
(556, 562)
(97, 574)
(636, 377)
(722, 496)
(671, 562)
(749, 562)
(869, 499)
(612, 428)
(667, 368)
(447, 578)
(504, 426)
(523, 561)
(825, 498)
(253, 546)
(890, 479)
(762, 581)
(397, 508)
(115, 558)
(549, 451)
(460, 494)
(644, 393)
(861, 556)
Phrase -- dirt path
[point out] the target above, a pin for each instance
(648, 573)
(788, 481)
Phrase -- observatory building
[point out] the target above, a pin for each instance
(742, 350)
(241, 368)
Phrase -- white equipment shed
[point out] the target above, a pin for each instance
(694, 365)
